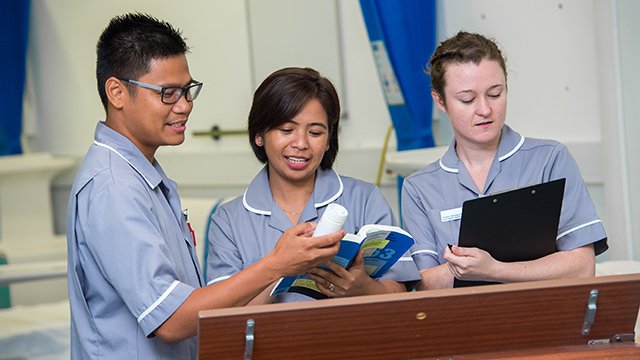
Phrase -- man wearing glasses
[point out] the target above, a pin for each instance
(135, 286)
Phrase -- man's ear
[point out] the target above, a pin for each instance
(258, 140)
(438, 101)
(116, 93)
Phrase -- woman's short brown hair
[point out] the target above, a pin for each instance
(462, 48)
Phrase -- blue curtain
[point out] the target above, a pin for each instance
(403, 37)
(14, 30)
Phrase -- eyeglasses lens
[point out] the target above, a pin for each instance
(171, 95)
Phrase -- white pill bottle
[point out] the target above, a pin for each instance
(332, 220)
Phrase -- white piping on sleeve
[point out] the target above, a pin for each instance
(218, 279)
(577, 228)
(424, 251)
(159, 301)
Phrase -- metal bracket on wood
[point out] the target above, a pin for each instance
(590, 314)
(248, 340)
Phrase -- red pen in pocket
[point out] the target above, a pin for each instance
(185, 212)
(193, 233)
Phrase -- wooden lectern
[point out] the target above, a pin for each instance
(590, 318)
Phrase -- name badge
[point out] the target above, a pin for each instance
(451, 214)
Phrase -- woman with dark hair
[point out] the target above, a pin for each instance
(293, 129)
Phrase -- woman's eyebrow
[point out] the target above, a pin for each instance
(318, 124)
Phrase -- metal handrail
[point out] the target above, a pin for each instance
(216, 133)
(13, 273)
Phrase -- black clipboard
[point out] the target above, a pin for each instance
(515, 225)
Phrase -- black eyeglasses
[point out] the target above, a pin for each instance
(172, 94)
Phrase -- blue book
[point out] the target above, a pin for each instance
(382, 246)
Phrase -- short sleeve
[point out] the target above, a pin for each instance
(223, 258)
(378, 211)
(416, 222)
(579, 222)
(124, 237)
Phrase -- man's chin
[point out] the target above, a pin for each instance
(175, 141)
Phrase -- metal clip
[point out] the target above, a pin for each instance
(248, 340)
(617, 338)
(622, 338)
(590, 314)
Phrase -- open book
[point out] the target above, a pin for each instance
(382, 246)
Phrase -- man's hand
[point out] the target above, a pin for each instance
(297, 252)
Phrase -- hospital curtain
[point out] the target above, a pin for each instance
(403, 37)
(14, 29)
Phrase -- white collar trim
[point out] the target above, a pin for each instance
(316, 205)
(501, 158)
(252, 209)
(513, 151)
(335, 196)
(125, 159)
(446, 168)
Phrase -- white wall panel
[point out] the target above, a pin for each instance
(562, 85)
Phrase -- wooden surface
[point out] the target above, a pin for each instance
(428, 324)
(622, 351)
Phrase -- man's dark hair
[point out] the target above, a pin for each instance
(128, 45)
(282, 95)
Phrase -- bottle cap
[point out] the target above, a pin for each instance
(336, 213)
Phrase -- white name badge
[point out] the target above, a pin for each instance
(451, 214)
